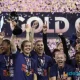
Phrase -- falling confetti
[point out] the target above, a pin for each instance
(40, 5)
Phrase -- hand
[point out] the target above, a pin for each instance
(59, 79)
(35, 24)
(2, 34)
(28, 28)
(60, 34)
(45, 28)
(14, 23)
(64, 76)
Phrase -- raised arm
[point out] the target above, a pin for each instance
(28, 30)
(13, 45)
(65, 49)
(46, 48)
(34, 25)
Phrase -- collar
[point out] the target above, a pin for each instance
(26, 56)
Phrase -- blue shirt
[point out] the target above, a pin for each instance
(76, 75)
(43, 64)
(7, 64)
(54, 70)
(25, 68)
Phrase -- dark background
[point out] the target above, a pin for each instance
(69, 16)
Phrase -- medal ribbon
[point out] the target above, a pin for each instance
(41, 66)
(41, 62)
(7, 62)
(28, 63)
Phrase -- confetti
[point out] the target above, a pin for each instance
(40, 6)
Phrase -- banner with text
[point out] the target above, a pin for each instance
(65, 23)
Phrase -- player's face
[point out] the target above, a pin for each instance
(56, 53)
(60, 59)
(60, 47)
(27, 48)
(78, 47)
(78, 58)
(5, 46)
(40, 47)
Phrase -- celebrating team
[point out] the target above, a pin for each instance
(35, 61)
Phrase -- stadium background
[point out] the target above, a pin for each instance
(48, 6)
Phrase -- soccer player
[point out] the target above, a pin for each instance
(25, 68)
(60, 70)
(44, 62)
(7, 60)
(77, 66)
(60, 47)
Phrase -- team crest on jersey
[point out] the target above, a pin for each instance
(42, 72)
(25, 69)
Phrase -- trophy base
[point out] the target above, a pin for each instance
(17, 31)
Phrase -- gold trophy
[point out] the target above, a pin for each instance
(14, 18)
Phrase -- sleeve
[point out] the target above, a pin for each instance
(16, 54)
(46, 48)
(65, 48)
(53, 71)
(17, 70)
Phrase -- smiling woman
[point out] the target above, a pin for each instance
(25, 65)
(26, 47)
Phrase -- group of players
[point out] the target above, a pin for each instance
(35, 61)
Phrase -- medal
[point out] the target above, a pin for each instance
(45, 72)
(28, 73)
(28, 66)
(41, 66)
(8, 74)
(41, 62)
